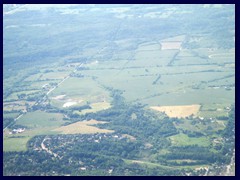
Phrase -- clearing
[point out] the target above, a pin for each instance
(184, 140)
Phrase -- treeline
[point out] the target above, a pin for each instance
(195, 152)
(41, 164)
(229, 135)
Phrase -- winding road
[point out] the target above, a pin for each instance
(48, 150)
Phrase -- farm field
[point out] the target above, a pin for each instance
(10, 115)
(35, 123)
(145, 90)
(83, 127)
(39, 119)
(169, 79)
(80, 90)
(178, 111)
(184, 140)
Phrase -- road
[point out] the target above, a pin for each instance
(20, 115)
(48, 150)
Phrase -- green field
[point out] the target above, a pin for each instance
(10, 115)
(189, 83)
(95, 107)
(18, 142)
(184, 140)
(54, 75)
(39, 119)
(15, 144)
(137, 78)
(14, 96)
(118, 89)
(154, 165)
(36, 123)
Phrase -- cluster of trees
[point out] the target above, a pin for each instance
(7, 121)
(192, 133)
(156, 80)
(195, 152)
(229, 135)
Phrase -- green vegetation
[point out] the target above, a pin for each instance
(80, 102)
(40, 119)
(184, 140)
(35, 123)
(15, 143)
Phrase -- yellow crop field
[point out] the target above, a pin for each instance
(178, 111)
(83, 127)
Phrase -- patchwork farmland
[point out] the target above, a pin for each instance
(131, 92)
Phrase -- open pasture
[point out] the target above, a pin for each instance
(149, 46)
(203, 126)
(171, 45)
(84, 88)
(16, 105)
(18, 142)
(152, 58)
(39, 119)
(39, 84)
(179, 38)
(77, 86)
(36, 123)
(200, 96)
(15, 143)
(222, 58)
(184, 140)
(189, 60)
(214, 110)
(10, 115)
(15, 96)
(102, 65)
(172, 88)
(54, 75)
(33, 77)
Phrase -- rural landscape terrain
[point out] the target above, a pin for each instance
(118, 90)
